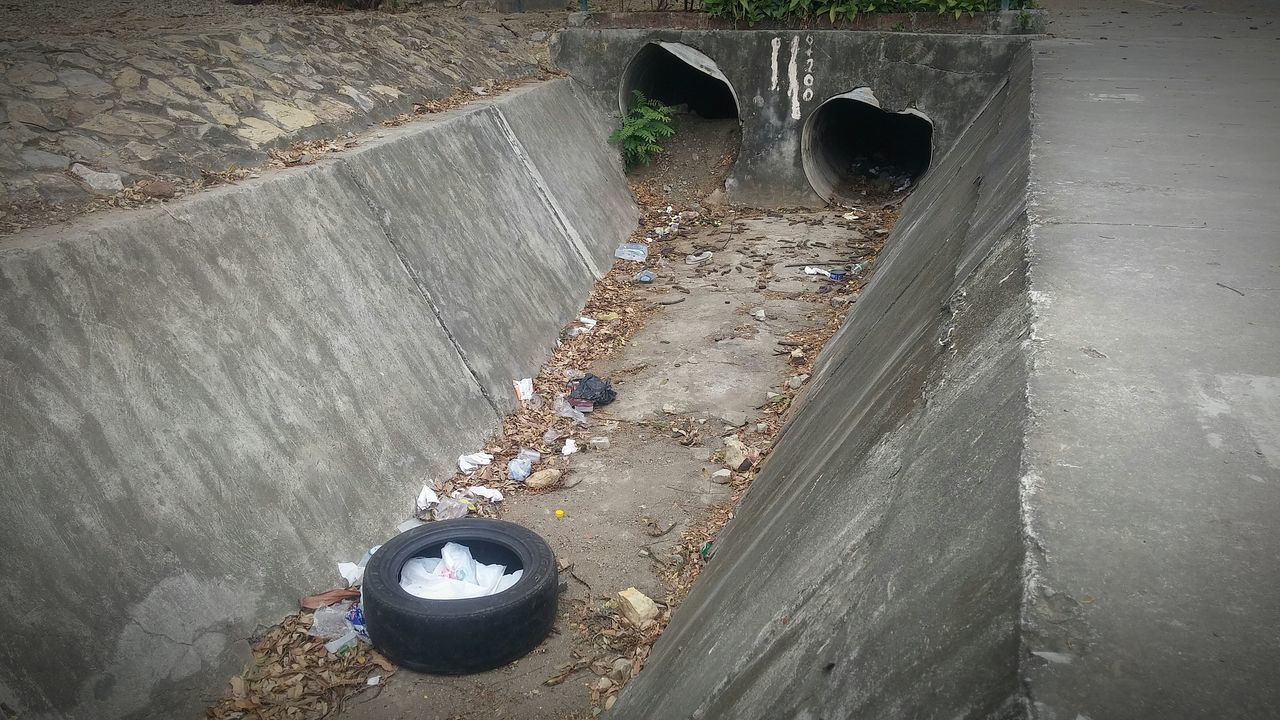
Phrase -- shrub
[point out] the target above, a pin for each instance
(756, 10)
(647, 122)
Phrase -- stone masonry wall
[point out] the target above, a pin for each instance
(163, 94)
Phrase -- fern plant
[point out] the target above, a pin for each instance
(647, 122)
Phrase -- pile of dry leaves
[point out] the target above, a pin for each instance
(293, 677)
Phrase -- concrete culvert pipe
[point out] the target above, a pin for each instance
(850, 145)
(677, 74)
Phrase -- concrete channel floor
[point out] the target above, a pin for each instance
(704, 356)
(1154, 453)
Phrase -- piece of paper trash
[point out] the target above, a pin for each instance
(479, 90)
(474, 461)
(851, 216)
(570, 447)
(352, 573)
(524, 389)
(373, 680)
(810, 270)
(487, 493)
(426, 499)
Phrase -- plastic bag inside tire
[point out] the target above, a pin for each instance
(452, 637)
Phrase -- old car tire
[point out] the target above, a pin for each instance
(452, 637)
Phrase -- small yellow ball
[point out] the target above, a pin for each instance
(559, 513)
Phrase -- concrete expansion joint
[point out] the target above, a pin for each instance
(384, 221)
(544, 193)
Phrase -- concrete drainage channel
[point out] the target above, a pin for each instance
(244, 389)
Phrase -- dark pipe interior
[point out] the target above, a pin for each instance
(663, 76)
(854, 141)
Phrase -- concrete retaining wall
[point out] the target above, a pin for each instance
(208, 405)
(881, 546)
(937, 75)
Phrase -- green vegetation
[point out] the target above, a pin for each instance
(647, 122)
(756, 10)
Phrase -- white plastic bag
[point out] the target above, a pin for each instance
(457, 563)
(474, 461)
(519, 469)
(487, 493)
(454, 576)
(562, 408)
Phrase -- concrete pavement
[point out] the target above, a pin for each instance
(1154, 448)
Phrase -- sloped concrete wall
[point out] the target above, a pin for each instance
(208, 405)
(881, 546)
(781, 76)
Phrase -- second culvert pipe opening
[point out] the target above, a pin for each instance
(851, 148)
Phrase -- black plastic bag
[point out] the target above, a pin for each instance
(594, 389)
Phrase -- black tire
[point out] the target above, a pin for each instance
(453, 637)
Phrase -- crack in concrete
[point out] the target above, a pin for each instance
(384, 222)
(162, 636)
(947, 72)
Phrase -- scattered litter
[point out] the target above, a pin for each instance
(330, 622)
(524, 390)
(851, 216)
(518, 469)
(352, 573)
(485, 492)
(559, 513)
(543, 479)
(859, 267)
(759, 314)
(634, 252)
(570, 447)
(454, 575)
(584, 325)
(836, 275)
(699, 258)
(450, 509)
(608, 317)
(553, 435)
(355, 617)
(425, 503)
(374, 681)
(474, 461)
(343, 643)
(593, 389)
(637, 607)
(599, 443)
(811, 270)
(646, 277)
(582, 406)
(479, 90)
(563, 408)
